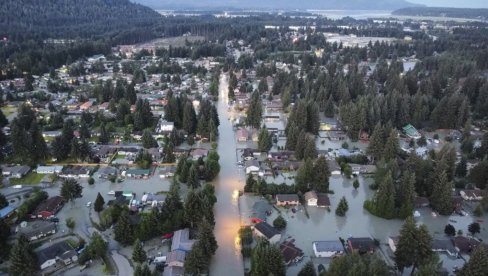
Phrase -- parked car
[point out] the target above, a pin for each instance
(111, 193)
(88, 204)
(54, 219)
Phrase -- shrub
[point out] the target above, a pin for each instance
(91, 181)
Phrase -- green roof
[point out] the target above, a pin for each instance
(411, 130)
(138, 171)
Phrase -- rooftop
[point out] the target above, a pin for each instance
(267, 230)
(328, 246)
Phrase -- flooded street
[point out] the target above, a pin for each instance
(227, 259)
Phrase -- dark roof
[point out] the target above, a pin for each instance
(38, 228)
(287, 197)
(53, 251)
(267, 230)
(261, 208)
(290, 252)
(51, 204)
(328, 246)
(465, 244)
(323, 200)
(444, 245)
(362, 244)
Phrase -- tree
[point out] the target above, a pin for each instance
(138, 254)
(267, 259)
(391, 147)
(4, 234)
(104, 137)
(308, 270)
(264, 140)
(477, 264)
(377, 142)
(254, 111)
(23, 260)
(142, 270)
(355, 264)
(144, 159)
(196, 261)
(279, 223)
(193, 208)
(414, 246)
(449, 230)
(148, 140)
(342, 207)
(406, 195)
(385, 198)
(461, 168)
(71, 190)
(3, 201)
(206, 238)
(123, 231)
(193, 178)
(99, 202)
(321, 173)
(441, 197)
(70, 223)
(355, 184)
(474, 228)
(91, 181)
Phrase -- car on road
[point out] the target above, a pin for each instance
(88, 204)
(111, 193)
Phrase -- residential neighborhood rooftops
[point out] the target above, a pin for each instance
(38, 228)
(326, 246)
(6, 211)
(181, 240)
(53, 251)
(411, 131)
(287, 197)
(267, 230)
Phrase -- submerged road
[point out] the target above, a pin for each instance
(227, 259)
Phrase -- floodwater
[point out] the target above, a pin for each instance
(227, 259)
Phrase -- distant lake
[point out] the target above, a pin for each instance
(356, 14)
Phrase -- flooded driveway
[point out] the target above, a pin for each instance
(227, 259)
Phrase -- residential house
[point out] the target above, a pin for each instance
(334, 168)
(153, 200)
(38, 229)
(242, 135)
(15, 171)
(264, 230)
(328, 124)
(105, 152)
(56, 256)
(287, 200)
(311, 198)
(444, 246)
(181, 240)
(166, 127)
(51, 134)
(336, 135)
(138, 173)
(291, 253)
(472, 195)
(327, 249)
(49, 169)
(280, 155)
(168, 171)
(465, 245)
(76, 172)
(198, 153)
(252, 167)
(176, 258)
(7, 212)
(107, 172)
(261, 209)
(49, 207)
(411, 131)
(361, 245)
(323, 200)
(362, 169)
(181, 244)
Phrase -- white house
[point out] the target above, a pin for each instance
(166, 126)
(252, 167)
(327, 249)
(311, 198)
(49, 169)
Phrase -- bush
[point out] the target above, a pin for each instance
(279, 223)
(91, 181)
(246, 252)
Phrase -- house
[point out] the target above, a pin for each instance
(472, 195)
(57, 255)
(411, 131)
(280, 155)
(6, 212)
(75, 172)
(153, 200)
(291, 253)
(107, 172)
(49, 169)
(311, 198)
(105, 152)
(261, 209)
(242, 135)
(362, 169)
(328, 124)
(361, 245)
(444, 246)
(15, 171)
(252, 167)
(287, 199)
(465, 244)
(181, 240)
(49, 207)
(198, 153)
(264, 230)
(181, 244)
(168, 171)
(176, 258)
(166, 127)
(327, 249)
(334, 168)
(38, 229)
(323, 200)
(336, 135)
(138, 173)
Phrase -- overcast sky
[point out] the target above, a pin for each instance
(453, 3)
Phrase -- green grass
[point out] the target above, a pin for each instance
(31, 178)
(8, 110)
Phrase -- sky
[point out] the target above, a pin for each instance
(453, 3)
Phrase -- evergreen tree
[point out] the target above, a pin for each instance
(441, 197)
(123, 231)
(148, 140)
(391, 147)
(292, 136)
(355, 264)
(193, 208)
(449, 230)
(84, 130)
(321, 175)
(474, 228)
(342, 207)
(206, 238)
(193, 177)
(99, 202)
(185, 170)
(142, 270)
(254, 111)
(355, 184)
(477, 264)
(250, 182)
(138, 254)
(23, 260)
(310, 150)
(385, 198)
(71, 190)
(264, 140)
(461, 168)
(104, 137)
(407, 195)
(267, 260)
(189, 118)
(406, 249)
(308, 270)
(279, 223)
(304, 176)
(196, 261)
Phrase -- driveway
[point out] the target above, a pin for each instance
(123, 265)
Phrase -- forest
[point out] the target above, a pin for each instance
(444, 12)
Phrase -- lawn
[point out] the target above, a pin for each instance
(31, 178)
(8, 110)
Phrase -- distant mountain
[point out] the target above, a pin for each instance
(72, 18)
(278, 4)
(481, 14)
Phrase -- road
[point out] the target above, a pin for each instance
(227, 259)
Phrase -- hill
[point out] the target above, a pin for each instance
(481, 14)
(278, 4)
(73, 18)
